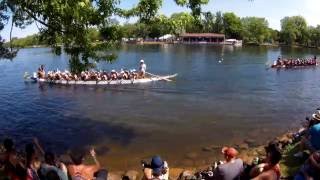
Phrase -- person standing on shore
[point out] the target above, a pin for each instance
(142, 69)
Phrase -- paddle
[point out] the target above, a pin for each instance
(268, 65)
(159, 77)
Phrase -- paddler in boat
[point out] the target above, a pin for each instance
(277, 62)
(142, 69)
(121, 74)
(126, 74)
(114, 75)
(41, 72)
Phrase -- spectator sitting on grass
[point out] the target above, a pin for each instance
(270, 170)
(231, 168)
(157, 170)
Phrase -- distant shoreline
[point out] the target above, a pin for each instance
(172, 43)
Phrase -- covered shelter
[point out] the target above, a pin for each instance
(206, 38)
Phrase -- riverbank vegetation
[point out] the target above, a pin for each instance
(252, 30)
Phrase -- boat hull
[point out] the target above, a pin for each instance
(291, 67)
(113, 82)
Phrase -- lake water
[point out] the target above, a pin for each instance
(209, 103)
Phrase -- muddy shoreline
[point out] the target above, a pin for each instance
(247, 152)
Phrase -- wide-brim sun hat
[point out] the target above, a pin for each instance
(316, 116)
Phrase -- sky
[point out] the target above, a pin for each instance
(272, 10)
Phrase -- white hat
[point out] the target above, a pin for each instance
(113, 70)
(141, 61)
(316, 116)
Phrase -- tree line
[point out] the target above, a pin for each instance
(252, 30)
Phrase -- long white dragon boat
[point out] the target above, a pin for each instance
(111, 82)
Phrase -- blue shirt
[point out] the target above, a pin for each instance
(315, 136)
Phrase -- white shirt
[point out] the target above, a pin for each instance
(143, 67)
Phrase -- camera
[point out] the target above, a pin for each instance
(144, 164)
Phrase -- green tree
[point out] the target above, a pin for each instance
(112, 32)
(181, 23)
(314, 36)
(255, 30)
(26, 41)
(293, 30)
(94, 34)
(232, 25)
(129, 30)
(5, 9)
(218, 24)
(274, 36)
(194, 6)
(142, 30)
(208, 22)
(70, 22)
(159, 26)
(146, 10)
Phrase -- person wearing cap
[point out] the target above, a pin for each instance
(315, 118)
(158, 169)
(311, 141)
(232, 166)
(114, 75)
(142, 68)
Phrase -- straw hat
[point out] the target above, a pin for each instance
(316, 115)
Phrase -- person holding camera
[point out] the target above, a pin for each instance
(157, 170)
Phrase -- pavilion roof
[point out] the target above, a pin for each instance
(202, 35)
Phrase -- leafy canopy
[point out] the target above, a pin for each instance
(69, 23)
